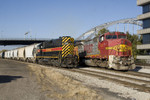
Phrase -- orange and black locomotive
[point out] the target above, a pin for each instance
(57, 52)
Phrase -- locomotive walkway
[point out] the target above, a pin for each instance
(16, 82)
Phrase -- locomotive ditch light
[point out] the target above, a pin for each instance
(121, 62)
(129, 58)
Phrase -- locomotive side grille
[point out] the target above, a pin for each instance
(67, 46)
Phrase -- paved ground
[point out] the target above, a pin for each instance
(17, 83)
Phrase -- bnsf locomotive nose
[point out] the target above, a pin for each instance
(123, 41)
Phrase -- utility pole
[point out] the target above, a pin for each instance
(25, 35)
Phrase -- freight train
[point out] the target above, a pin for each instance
(110, 50)
(56, 52)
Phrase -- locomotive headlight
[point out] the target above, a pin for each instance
(129, 58)
(121, 62)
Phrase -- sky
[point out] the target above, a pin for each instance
(55, 18)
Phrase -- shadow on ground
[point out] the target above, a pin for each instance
(7, 78)
(137, 68)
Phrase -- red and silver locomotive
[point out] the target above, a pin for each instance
(111, 50)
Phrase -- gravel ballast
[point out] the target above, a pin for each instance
(122, 91)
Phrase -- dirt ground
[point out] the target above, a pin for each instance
(17, 83)
(60, 87)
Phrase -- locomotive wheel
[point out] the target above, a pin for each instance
(40, 61)
(27, 60)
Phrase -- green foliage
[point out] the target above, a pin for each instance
(102, 31)
(135, 40)
(3, 51)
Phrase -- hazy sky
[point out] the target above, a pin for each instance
(54, 18)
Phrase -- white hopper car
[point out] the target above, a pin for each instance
(15, 56)
(27, 53)
(7, 54)
(21, 54)
(30, 53)
(11, 54)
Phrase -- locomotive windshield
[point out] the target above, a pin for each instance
(115, 36)
(122, 36)
(111, 36)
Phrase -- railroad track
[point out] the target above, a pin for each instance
(140, 74)
(138, 84)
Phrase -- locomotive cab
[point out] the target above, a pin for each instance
(114, 44)
(117, 50)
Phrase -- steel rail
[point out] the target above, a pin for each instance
(140, 74)
(138, 87)
(119, 76)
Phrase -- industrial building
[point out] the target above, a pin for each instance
(145, 31)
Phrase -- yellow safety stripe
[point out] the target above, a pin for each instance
(67, 48)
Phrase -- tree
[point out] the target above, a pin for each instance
(3, 51)
(102, 31)
(135, 40)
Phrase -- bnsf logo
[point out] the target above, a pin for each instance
(88, 48)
